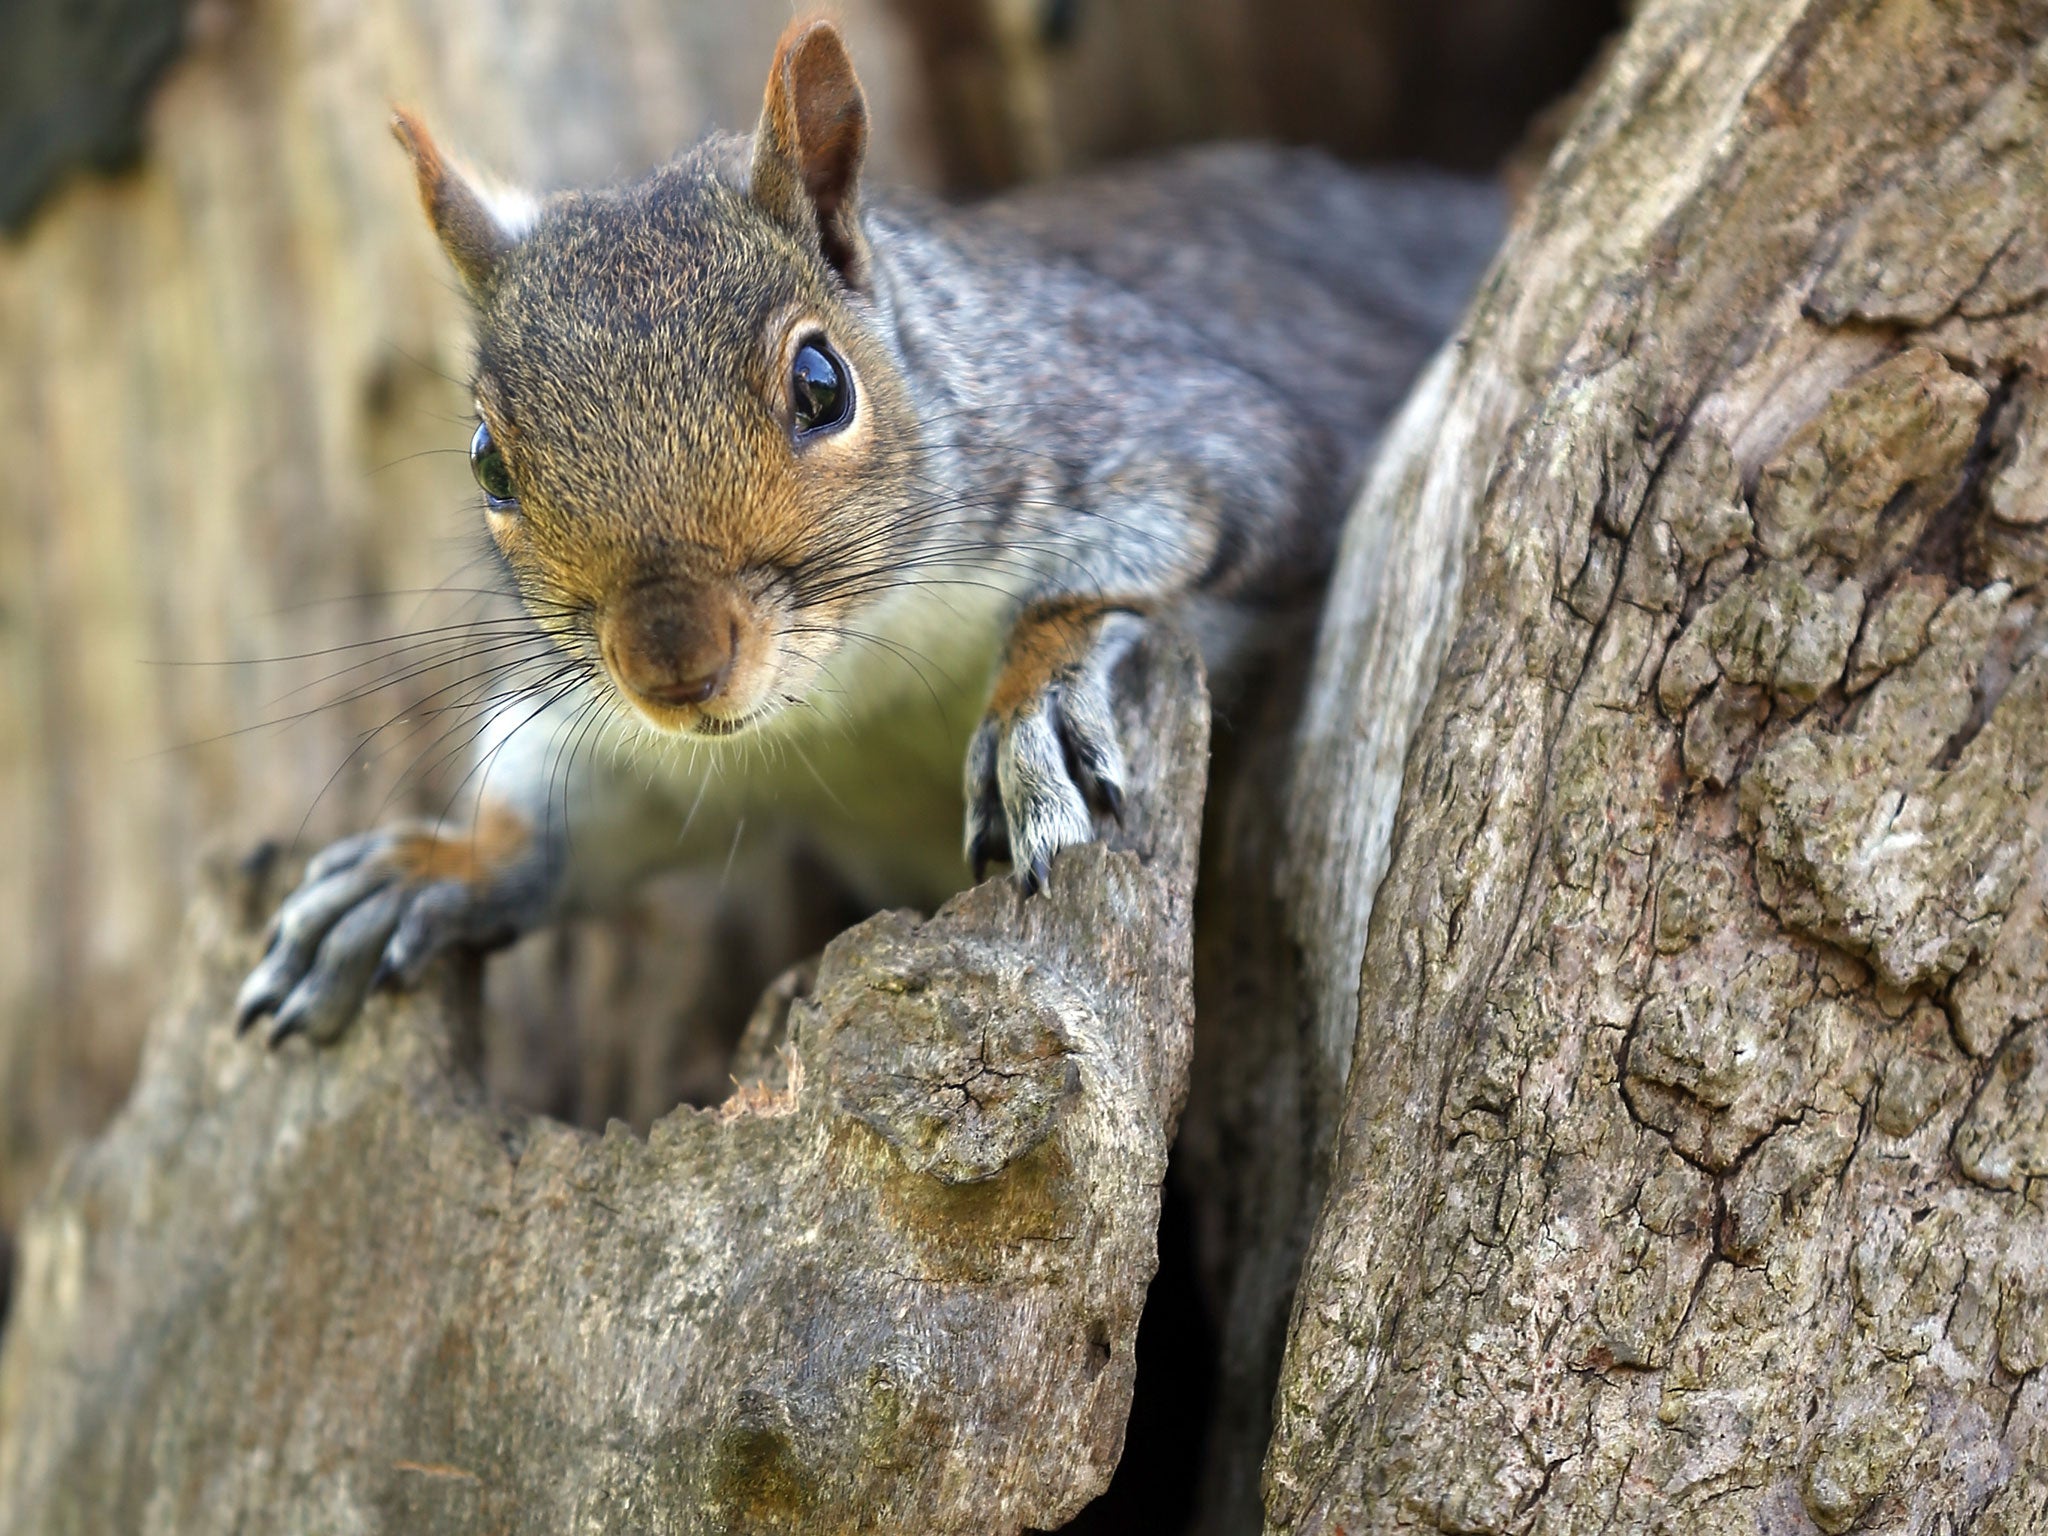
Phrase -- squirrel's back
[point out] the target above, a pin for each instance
(1240, 319)
(1332, 282)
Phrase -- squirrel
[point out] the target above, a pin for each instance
(787, 471)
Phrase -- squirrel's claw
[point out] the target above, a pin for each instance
(300, 931)
(251, 1004)
(366, 919)
(1112, 796)
(283, 1028)
(438, 916)
(332, 990)
(1038, 774)
(988, 835)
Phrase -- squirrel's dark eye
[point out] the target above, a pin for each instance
(820, 393)
(487, 461)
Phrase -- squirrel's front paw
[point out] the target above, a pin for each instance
(374, 909)
(1046, 757)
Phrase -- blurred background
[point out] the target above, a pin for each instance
(232, 414)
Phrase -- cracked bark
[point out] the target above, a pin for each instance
(1689, 1172)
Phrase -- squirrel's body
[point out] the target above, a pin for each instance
(1272, 338)
(794, 473)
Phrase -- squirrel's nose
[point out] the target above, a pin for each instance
(673, 645)
(691, 685)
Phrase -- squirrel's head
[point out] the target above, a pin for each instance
(694, 445)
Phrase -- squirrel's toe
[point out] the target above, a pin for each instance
(1044, 809)
(435, 918)
(333, 989)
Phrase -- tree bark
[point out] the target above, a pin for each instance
(1689, 1172)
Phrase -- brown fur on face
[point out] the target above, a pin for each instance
(634, 350)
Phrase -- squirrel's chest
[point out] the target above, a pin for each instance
(869, 766)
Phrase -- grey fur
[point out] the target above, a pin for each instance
(1198, 353)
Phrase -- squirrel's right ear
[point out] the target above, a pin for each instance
(809, 147)
(475, 230)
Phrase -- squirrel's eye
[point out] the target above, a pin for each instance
(487, 461)
(820, 393)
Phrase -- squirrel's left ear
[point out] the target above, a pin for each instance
(809, 147)
(478, 231)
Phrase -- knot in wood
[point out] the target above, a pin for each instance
(958, 1057)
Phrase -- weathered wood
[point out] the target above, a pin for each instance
(1287, 887)
(1688, 1175)
(890, 1285)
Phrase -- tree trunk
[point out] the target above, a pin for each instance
(1689, 1174)
(1634, 1011)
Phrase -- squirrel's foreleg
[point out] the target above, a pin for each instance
(1046, 759)
(561, 823)
(374, 909)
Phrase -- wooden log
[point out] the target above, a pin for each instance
(891, 1284)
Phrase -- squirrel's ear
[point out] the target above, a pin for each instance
(808, 149)
(477, 231)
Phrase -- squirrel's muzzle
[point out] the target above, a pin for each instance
(674, 645)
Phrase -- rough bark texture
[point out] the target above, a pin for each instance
(892, 1284)
(1689, 1174)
